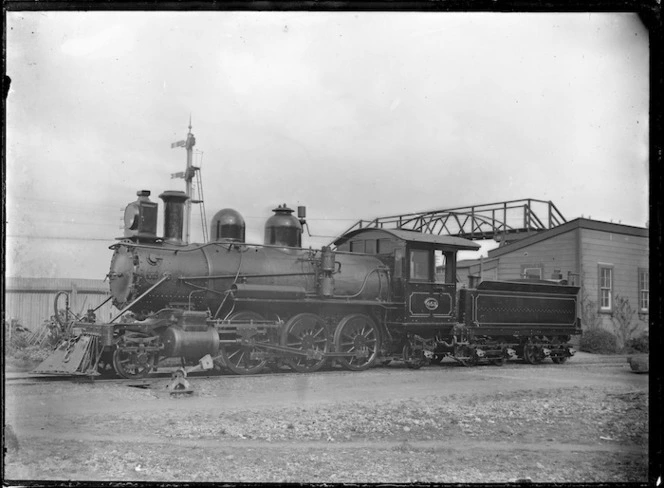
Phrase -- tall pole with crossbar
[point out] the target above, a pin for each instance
(188, 176)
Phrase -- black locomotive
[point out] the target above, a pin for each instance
(373, 296)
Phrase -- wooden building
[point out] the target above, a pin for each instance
(609, 261)
(29, 301)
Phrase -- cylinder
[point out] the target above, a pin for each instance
(173, 215)
(190, 344)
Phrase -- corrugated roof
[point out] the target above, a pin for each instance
(414, 236)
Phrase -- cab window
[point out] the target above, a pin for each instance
(420, 264)
(399, 263)
(441, 266)
(445, 266)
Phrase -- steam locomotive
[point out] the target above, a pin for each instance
(375, 295)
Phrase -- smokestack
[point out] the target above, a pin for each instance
(173, 215)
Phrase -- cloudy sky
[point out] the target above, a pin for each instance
(353, 114)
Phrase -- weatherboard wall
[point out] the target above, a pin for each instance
(30, 300)
(556, 255)
(625, 254)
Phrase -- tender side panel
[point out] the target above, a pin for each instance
(524, 309)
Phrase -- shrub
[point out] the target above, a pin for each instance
(623, 320)
(24, 346)
(598, 341)
(20, 340)
(31, 353)
(638, 344)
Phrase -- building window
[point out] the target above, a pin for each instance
(644, 290)
(605, 287)
(532, 271)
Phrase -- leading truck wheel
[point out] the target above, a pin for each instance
(306, 332)
(357, 334)
(237, 357)
(132, 364)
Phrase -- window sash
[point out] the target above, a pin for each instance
(420, 264)
(644, 289)
(532, 273)
(605, 287)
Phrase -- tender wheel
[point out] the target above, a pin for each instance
(236, 357)
(357, 332)
(306, 332)
(438, 358)
(557, 343)
(414, 359)
(132, 365)
(498, 361)
(465, 356)
(530, 354)
(468, 362)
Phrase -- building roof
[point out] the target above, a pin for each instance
(412, 236)
(579, 223)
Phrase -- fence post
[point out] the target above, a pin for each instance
(74, 297)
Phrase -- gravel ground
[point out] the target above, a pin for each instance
(584, 423)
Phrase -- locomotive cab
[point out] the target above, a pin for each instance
(430, 287)
(423, 268)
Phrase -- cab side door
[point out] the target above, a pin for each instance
(427, 299)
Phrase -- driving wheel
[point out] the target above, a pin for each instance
(308, 333)
(237, 357)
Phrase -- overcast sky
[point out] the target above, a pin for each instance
(355, 115)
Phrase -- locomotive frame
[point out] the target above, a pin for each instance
(379, 295)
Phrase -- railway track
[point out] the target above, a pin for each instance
(159, 376)
(165, 372)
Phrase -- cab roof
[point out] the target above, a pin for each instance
(411, 236)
